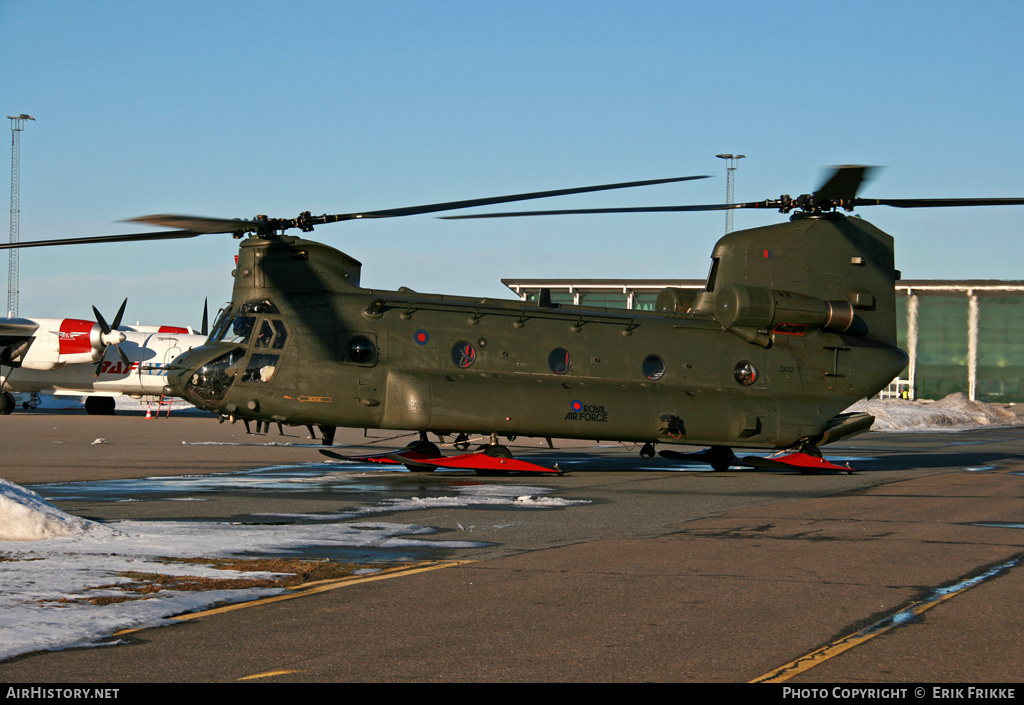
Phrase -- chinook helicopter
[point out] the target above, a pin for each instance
(797, 322)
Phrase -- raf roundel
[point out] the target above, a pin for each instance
(577, 406)
(421, 337)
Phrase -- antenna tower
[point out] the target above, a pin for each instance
(17, 125)
(731, 160)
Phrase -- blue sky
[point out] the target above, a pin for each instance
(232, 109)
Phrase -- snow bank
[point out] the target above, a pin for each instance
(25, 516)
(953, 413)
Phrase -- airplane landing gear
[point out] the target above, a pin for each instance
(103, 406)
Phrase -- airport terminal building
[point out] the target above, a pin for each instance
(962, 336)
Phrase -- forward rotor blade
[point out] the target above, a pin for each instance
(455, 205)
(205, 330)
(195, 224)
(638, 209)
(134, 237)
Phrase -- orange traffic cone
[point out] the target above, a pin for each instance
(148, 414)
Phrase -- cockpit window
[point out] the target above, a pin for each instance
(261, 368)
(712, 275)
(265, 335)
(237, 326)
(239, 329)
(264, 306)
(220, 324)
(211, 382)
(280, 335)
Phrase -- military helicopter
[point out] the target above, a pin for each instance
(797, 322)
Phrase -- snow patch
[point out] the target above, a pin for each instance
(953, 413)
(25, 516)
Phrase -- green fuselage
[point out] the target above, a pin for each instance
(302, 343)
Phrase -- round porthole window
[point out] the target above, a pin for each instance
(360, 350)
(560, 361)
(463, 354)
(653, 367)
(745, 373)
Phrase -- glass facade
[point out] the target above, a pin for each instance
(1000, 348)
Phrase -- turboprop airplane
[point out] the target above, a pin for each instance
(69, 356)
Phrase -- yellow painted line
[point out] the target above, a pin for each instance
(809, 661)
(317, 587)
(268, 674)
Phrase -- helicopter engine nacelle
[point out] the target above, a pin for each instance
(758, 308)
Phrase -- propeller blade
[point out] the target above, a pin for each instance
(120, 313)
(124, 358)
(102, 321)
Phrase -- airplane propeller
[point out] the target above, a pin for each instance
(111, 336)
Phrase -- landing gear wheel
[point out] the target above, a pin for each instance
(494, 451)
(647, 451)
(7, 403)
(427, 448)
(102, 406)
(721, 458)
(813, 451)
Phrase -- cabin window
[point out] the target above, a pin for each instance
(463, 354)
(560, 361)
(360, 350)
(653, 367)
(745, 373)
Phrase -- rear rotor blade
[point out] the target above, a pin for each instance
(937, 202)
(843, 184)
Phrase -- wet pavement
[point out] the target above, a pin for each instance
(642, 570)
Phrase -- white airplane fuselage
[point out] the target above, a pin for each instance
(60, 360)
